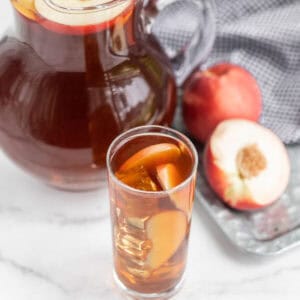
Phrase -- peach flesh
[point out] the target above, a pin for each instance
(246, 164)
(152, 155)
(169, 177)
(25, 7)
(166, 231)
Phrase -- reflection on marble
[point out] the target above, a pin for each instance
(56, 245)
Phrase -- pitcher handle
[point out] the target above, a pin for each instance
(189, 22)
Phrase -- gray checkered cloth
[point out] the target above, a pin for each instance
(261, 35)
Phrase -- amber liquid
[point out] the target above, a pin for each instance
(151, 230)
(64, 97)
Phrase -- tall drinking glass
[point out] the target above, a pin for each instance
(152, 174)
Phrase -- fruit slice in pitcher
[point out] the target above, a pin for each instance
(166, 231)
(78, 17)
(25, 7)
(151, 156)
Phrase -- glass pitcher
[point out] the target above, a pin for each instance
(74, 74)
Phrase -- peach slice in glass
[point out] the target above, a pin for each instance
(169, 177)
(166, 231)
(152, 155)
(25, 7)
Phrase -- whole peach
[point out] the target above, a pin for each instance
(222, 92)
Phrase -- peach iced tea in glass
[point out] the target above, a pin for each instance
(152, 172)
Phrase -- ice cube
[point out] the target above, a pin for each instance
(138, 178)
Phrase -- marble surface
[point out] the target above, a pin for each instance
(57, 246)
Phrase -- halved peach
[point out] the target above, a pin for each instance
(166, 231)
(25, 7)
(246, 164)
(169, 177)
(152, 155)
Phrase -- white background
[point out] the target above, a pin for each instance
(56, 246)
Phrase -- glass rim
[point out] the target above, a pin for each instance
(95, 7)
(183, 138)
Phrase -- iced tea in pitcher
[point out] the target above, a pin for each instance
(152, 173)
(76, 75)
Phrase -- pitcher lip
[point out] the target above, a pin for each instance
(82, 17)
(100, 5)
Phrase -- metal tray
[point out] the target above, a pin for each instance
(267, 232)
(270, 231)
